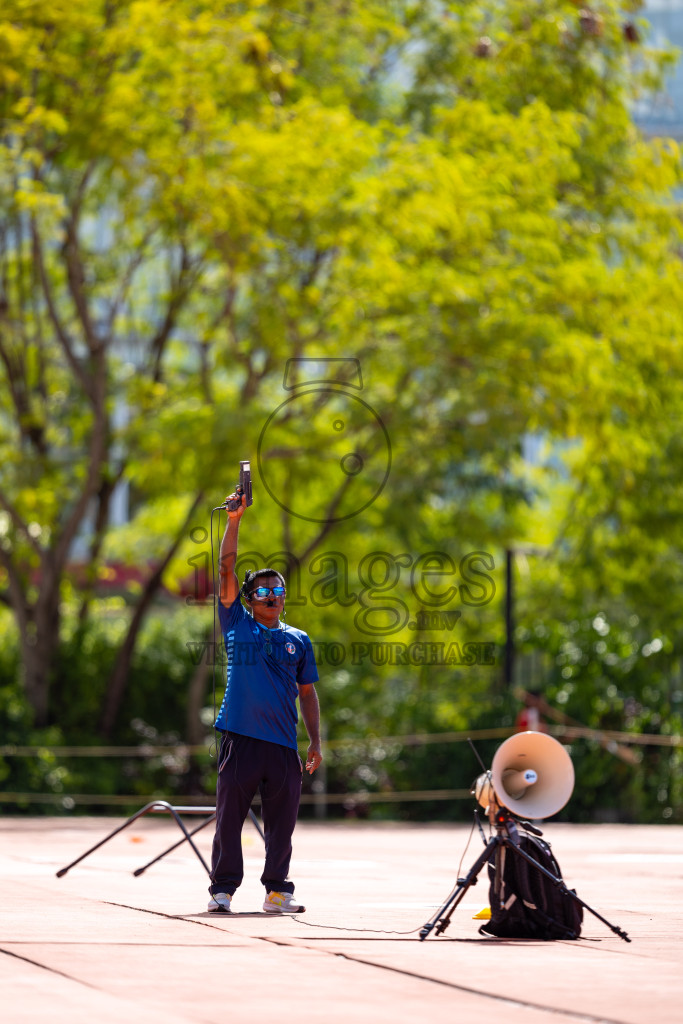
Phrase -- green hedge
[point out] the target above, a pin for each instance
(356, 707)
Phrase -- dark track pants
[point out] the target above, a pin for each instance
(245, 766)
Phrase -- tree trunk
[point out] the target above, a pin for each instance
(39, 647)
(37, 658)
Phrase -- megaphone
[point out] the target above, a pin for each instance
(531, 774)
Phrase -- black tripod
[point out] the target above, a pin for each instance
(507, 838)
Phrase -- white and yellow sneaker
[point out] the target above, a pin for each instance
(282, 903)
(219, 903)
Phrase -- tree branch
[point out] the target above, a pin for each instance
(96, 456)
(75, 275)
(180, 288)
(62, 335)
(127, 280)
(119, 676)
(20, 523)
(107, 487)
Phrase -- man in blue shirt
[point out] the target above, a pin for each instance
(269, 665)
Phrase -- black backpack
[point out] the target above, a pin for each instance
(526, 904)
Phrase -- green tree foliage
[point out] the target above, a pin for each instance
(204, 205)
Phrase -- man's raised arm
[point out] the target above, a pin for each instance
(229, 584)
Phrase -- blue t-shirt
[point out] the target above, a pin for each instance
(265, 668)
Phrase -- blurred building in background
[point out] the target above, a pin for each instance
(662, 113)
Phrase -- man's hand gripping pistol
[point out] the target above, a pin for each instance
(243, 487)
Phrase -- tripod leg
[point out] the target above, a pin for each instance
(134, 817)
(442, 919)
(175, 845)
(256, 824)
(189, 839)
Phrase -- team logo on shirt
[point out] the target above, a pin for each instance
(290, 648)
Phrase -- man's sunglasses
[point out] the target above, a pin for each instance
(265, 591)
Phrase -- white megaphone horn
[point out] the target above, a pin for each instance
(531, 774)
